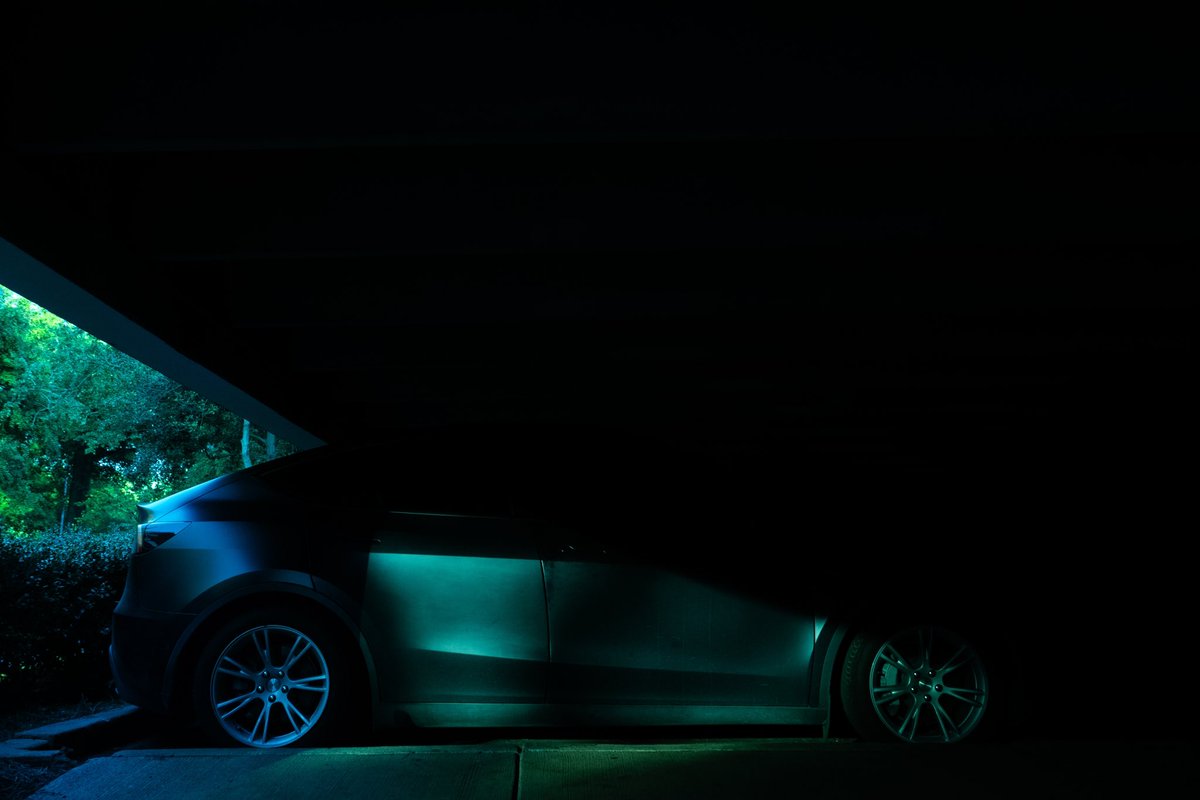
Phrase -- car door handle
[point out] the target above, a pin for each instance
(582, 550)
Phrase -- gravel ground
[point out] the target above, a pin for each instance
(20, 779)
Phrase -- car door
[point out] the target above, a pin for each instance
(417, 541)
(627, 625)
(457, 606)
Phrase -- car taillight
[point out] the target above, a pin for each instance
(151, 534)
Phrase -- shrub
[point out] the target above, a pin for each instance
(58, 592)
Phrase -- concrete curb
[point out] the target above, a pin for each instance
(9, 752)
(103, 730)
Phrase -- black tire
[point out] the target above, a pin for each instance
(922, 684)
(300, 709)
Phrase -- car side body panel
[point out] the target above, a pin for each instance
(646, 634)
(453, 607)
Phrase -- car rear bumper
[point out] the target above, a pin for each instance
(140, 654)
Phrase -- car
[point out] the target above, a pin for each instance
(481, 578)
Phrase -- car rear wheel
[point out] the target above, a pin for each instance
(919, 684)
(272, 678)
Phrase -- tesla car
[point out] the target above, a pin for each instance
(478, 580)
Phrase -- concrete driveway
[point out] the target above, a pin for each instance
(580, 770)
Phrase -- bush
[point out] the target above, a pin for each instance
(58, 592)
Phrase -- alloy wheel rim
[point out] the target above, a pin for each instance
(269, 686)
(928, 685)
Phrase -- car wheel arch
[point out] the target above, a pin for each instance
(828, 655)
(187, 651)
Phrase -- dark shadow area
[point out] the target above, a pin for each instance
(878, 315)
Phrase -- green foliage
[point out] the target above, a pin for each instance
(86, 433)
(111, 505)
(58, 592)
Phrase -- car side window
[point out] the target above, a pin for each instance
(440, 483)
(417, 479)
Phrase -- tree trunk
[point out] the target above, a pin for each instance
(246, 462)
(66, 501)
(270, 446)
(82, 469)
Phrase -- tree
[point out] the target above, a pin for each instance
(87, 432)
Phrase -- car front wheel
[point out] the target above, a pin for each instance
(919, 684)
(270, 679)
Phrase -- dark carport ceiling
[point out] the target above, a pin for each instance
(839, 240)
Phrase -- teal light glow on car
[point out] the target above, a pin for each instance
(492, 580)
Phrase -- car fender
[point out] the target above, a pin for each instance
(827, 646)
(300, 584)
